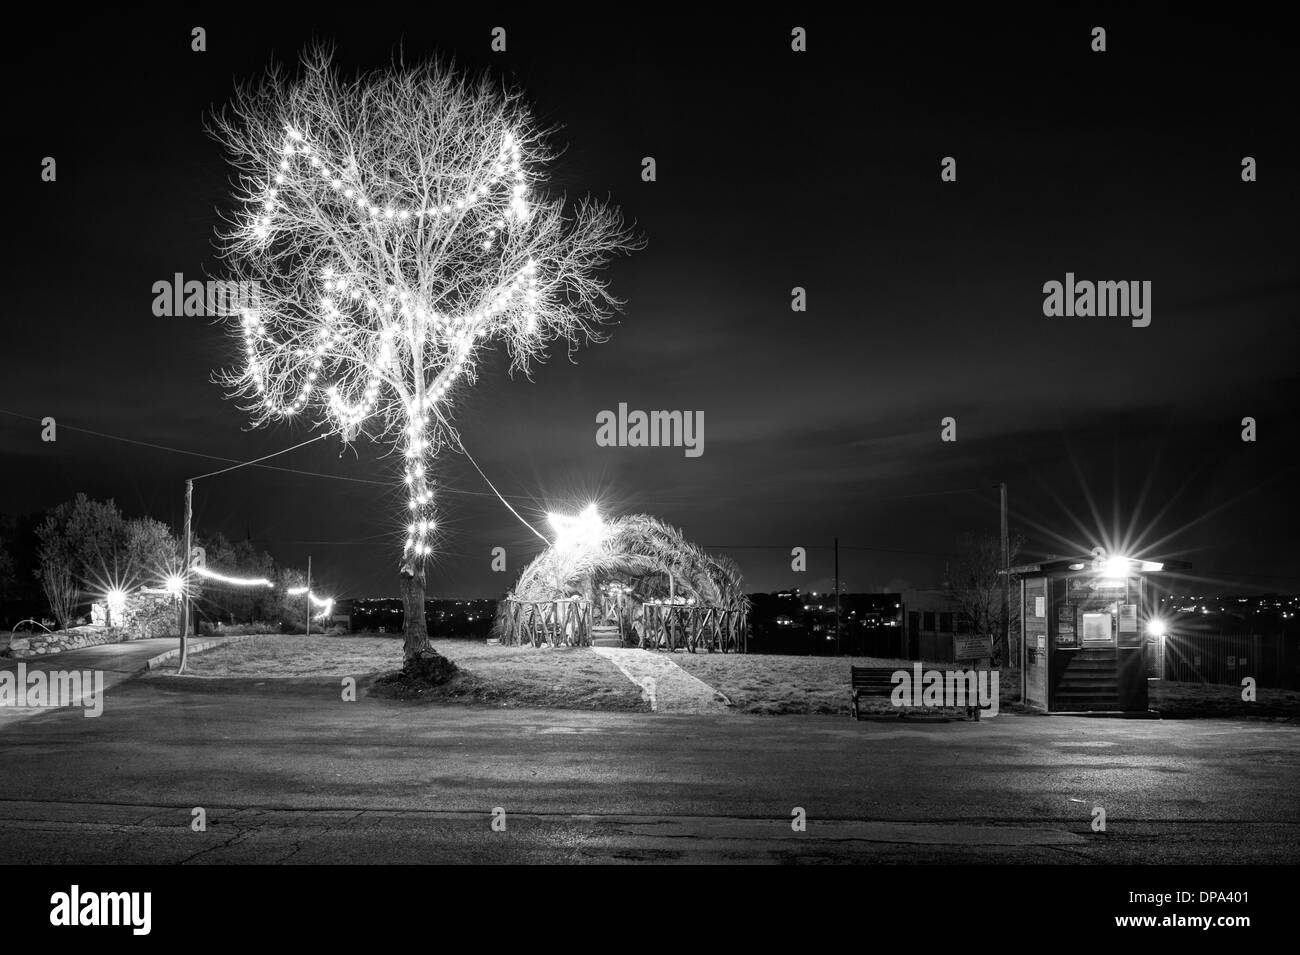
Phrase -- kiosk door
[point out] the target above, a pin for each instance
(1083, 667)
(1034, 630)
(1096, 661)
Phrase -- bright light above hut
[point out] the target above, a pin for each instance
(580, 533)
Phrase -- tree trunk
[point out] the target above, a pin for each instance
(414, 628)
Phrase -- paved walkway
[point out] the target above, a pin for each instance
(668, 687)
(117, 661)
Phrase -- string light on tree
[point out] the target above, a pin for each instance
(233, 581)
(391, 227)
(325, 603)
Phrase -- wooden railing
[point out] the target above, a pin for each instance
(691, 628)
(568, 623)
(548, 623)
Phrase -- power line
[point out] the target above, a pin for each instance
(877, 550)
(265, 467)
(1233, 573)
(200, 454)
(391, 541)
(905, 497)
(248, 464)
(498, 493)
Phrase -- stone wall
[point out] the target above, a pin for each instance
(74, 639)
(145, 614)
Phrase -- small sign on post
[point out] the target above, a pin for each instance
(972, 648)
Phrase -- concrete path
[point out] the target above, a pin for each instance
(117, 662)
(668, 687)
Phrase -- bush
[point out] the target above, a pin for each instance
(208, 629)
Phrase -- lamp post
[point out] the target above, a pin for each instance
(307, 598)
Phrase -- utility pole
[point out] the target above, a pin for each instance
(189, 511)
(1006, 578)
(307, 597)
(185, 602)
(837, 596)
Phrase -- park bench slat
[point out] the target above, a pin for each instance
(879, 681)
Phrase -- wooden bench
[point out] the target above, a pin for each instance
(879, 681)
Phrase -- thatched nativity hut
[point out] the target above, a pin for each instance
(637, 582)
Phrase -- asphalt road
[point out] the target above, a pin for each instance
(291, 773)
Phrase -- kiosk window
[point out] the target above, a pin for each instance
(1097, 630)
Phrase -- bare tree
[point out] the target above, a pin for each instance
(390, 232)
(60, 588)
(974, 585)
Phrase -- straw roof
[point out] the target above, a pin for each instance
(643, 552)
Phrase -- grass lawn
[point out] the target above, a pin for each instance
(276, 656)
(772, 684)
(776, 684)
(576, 678)
(572, 678)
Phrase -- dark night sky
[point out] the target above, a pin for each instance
(775, 169)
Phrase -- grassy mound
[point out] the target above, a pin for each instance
(417, 678)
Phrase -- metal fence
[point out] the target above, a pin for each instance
(1191, 655)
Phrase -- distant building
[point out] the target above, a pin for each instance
(932, 621)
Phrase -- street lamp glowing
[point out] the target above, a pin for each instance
(175, 585)
(1156, 627)
(116, 600)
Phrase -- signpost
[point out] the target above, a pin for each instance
(972, 649)
(965, 648)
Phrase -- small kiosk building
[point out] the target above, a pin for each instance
(1083, 632)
